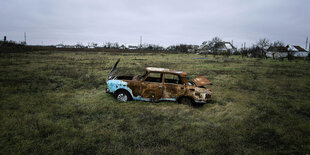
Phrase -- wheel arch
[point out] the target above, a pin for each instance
(123, 89)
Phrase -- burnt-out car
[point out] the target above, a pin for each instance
(159, 84)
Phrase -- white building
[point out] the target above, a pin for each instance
(298, 51)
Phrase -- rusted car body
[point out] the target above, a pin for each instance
(159, 84)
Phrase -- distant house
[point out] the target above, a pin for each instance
(204, 48)
(186, 48)
(283, 52)
(192, 48)
(218, 47)
(69, 46)
(171, 48)
(227, 46)
(122, 47)
(78, 46)
(92, 45)
(132, 47)
(60, 46)
(277, 52)
(298, 51)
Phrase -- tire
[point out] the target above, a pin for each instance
(186, 101)
(122, 96)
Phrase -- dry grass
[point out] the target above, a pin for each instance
(55, 102)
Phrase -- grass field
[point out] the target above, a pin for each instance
(55, 102)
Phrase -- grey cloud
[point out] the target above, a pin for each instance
(160, 22)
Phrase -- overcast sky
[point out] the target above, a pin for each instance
(163, 22)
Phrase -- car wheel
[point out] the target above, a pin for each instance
(186, 101)
(122, 96)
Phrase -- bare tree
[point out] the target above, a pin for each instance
(263, 43)
(214, 41)
(210, 45)
(278, 44)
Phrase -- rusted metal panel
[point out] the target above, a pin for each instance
(134, 86)
(173, 90)
(151, 90)
(201, 81)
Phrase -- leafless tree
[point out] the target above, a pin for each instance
(278, 44)
(214, 41)
(210, 45)
(263, 43)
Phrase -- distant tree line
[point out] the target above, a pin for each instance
(213, 46)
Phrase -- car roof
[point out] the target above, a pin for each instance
(165, 70)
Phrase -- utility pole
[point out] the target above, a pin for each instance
(25, 37)
(306, 42)
(140, 41)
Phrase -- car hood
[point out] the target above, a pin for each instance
(200, 81)
(110, 75)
